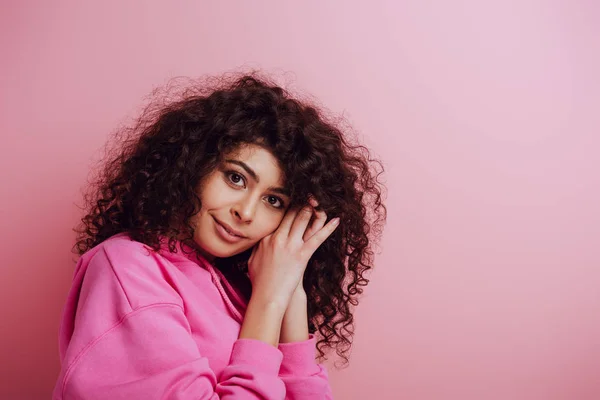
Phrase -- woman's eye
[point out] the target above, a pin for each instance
(275, 201)
(235, 178)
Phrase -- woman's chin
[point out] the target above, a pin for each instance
(213, 253)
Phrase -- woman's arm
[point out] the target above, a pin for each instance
(150, 354)
(274, 262)
(302, 376)
(262, 321)
(294, 327)
(125, 335)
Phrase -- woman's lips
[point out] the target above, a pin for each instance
(226, 234)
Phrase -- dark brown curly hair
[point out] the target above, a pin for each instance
(148, 180)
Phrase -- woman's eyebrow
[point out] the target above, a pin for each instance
(249, 170)
(254, 176)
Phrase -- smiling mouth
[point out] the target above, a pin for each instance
(228, 231)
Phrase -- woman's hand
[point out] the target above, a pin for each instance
(276, 268)
(294, 327)
(278, 262)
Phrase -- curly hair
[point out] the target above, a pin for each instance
(146, 186)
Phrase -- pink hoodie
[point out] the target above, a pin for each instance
(140, 324)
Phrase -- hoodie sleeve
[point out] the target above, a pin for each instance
(303, 377)
(150, 354)
(129, 338)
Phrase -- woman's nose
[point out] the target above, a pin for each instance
(245, 209)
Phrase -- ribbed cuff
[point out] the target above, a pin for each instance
(299, 357)
(257, 354)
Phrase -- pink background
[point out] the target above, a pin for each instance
(486, 115)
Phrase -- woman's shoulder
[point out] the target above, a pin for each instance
(123, 242)
(140, 272)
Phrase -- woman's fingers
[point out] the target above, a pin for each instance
(318, 238)
(318, 221)
(300, 223)
(295, 225)
(286, 222)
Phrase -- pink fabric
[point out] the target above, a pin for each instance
(140, 324)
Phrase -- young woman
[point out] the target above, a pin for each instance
(225, 240)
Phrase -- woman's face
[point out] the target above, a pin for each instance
(246, 195)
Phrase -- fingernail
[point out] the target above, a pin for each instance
(336, 221)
